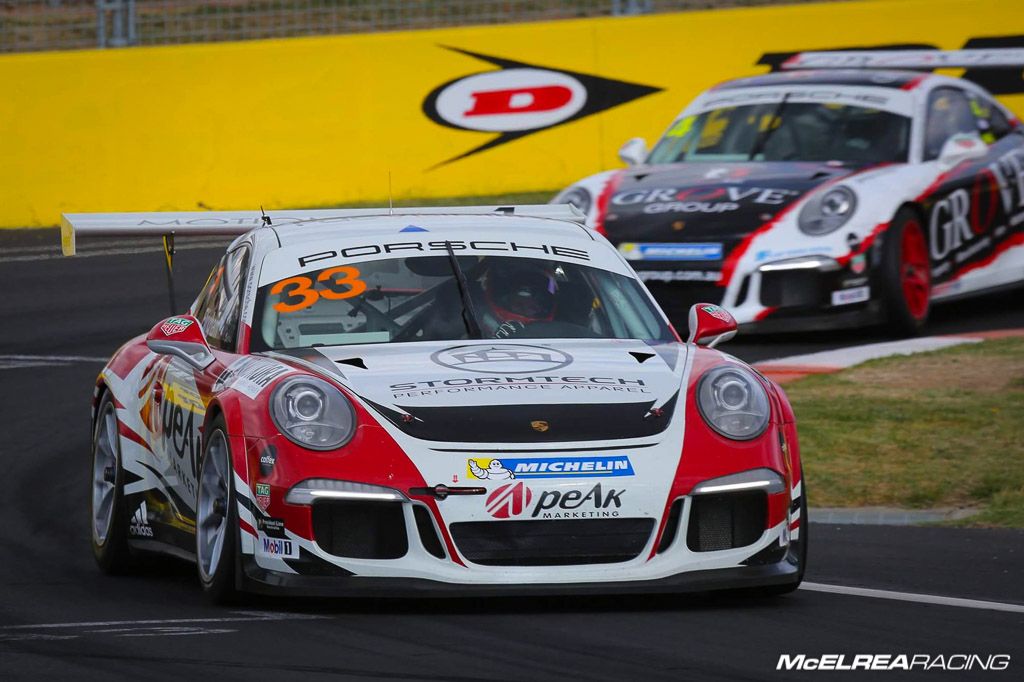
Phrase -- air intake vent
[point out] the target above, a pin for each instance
(360, 530)
(428, 534)
(726, 520)
(552, 543)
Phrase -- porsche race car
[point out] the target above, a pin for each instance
(437, 401)
(838, 193)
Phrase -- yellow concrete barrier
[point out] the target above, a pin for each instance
(308, 122)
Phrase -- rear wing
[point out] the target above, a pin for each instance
(994, 58)
(234, 223)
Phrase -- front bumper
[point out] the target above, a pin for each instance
(261, 581)
(768, 298)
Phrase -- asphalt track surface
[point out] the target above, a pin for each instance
(61, 619)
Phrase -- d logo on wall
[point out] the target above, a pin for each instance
(519, 99)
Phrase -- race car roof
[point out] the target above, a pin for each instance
(315, 245)
(900, 80)
(387, 225)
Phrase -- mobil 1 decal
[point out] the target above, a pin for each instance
(518, 99)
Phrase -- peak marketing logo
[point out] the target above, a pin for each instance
(519, 99)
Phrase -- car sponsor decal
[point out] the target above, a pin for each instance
(858, 264)
(519, 99)
(181, 416)
(517, 499)
(783, 254)
(139, 525)
(411, 248)
(506, 468)
(250, 375)
(175, 325)
(263, 495)
(671, 251)
(509, 500)
(278, 548)
(702, 199)
(502, 358)
(847, 296)
(273, 527)
(717, 313)
(679, 275)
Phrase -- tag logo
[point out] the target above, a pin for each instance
(263, 495)
(175, 325)
(520, 98)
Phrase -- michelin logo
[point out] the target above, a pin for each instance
(549, 467)
(276, 547)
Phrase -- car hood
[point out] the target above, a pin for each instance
(529, 391)
(718, 202)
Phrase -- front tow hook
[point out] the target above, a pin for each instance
(443, 491)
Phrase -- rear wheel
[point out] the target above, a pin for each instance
(906, 275)
(217, 518)
(107, 514)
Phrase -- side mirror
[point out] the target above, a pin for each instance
(710, 325)
(634, 152)
(183, 338)
(962, 147)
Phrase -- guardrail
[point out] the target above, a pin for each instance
(31, 25)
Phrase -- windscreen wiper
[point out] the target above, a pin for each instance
(468, 313)
(762, 139)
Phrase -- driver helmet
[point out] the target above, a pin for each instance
(521, 291)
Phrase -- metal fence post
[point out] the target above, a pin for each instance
(122, 23)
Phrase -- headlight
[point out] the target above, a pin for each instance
(733, 402)
(828, 211)
(312, 413)
(577, 196)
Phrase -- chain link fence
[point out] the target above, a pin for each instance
(27, 25)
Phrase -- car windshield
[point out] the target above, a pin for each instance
(786, 131)
(421, 299)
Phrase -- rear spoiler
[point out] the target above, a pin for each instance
(994, 58)
(234, 223)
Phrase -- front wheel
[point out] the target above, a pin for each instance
(107, 506)
(906, 275)
(217, 518)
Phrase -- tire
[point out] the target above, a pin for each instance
(905, 275)
(217, 540)
(108, 515)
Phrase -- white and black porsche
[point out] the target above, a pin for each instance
(438, 401)
(825, 196)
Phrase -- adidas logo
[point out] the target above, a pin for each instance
(140, 523)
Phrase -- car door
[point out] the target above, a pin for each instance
(963, 210)
(183, 393)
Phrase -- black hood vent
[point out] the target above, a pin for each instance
(543, 423)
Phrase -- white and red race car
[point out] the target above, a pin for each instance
(438, 401)
(838, 193)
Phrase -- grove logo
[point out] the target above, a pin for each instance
(511, 499)
(519, 99)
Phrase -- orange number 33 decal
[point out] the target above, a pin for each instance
(301, 288)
